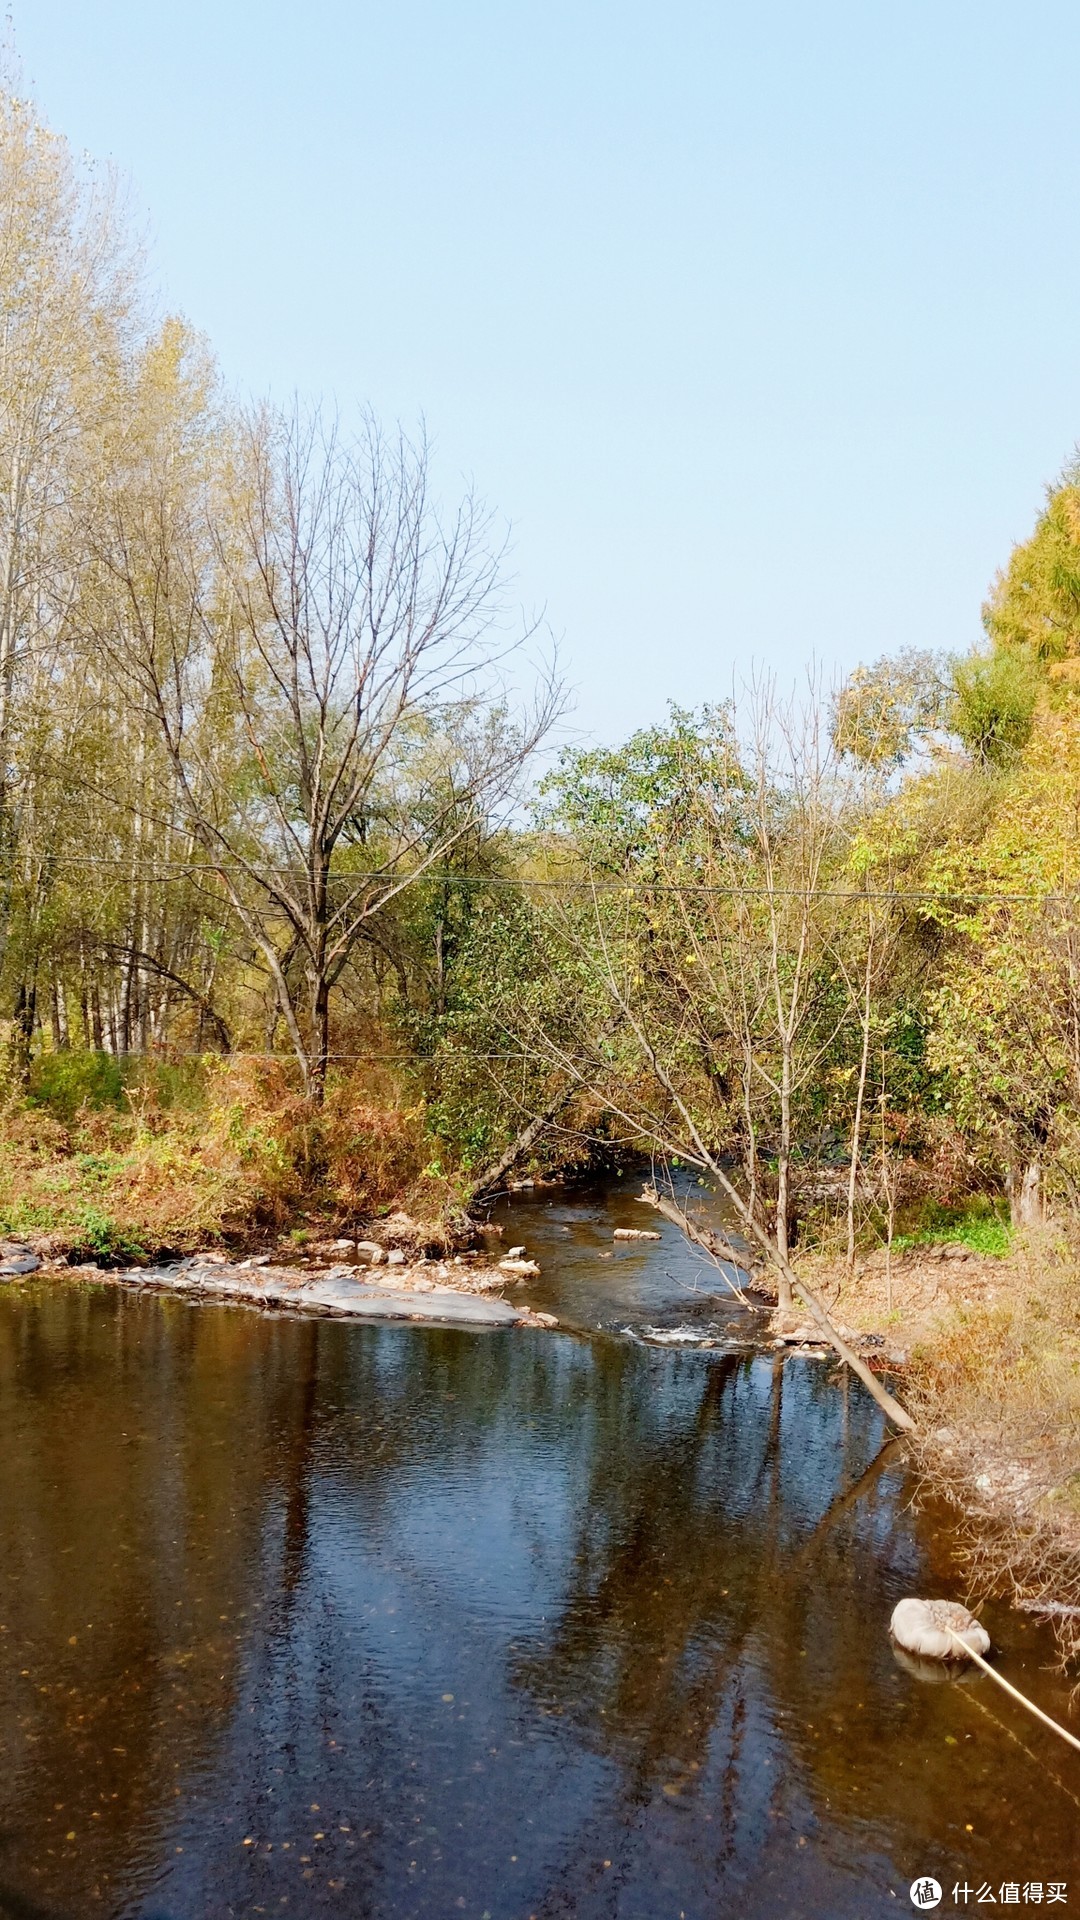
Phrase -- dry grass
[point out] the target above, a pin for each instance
(998, 1395)
(231, 1151)
(993, 1377)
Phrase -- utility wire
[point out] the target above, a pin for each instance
(168, 1054)
(167, 871)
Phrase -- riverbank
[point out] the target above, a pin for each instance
(233, 1168)
(352, 1279)
(987, 1354)
(127, 1162)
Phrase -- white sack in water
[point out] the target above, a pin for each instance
(923, 1627)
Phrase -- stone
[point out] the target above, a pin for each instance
(395, 1257)
(523, 1268)
(17, 1259)
(635, 1233)
(515, 1253)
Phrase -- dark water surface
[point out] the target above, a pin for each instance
(302, 1618)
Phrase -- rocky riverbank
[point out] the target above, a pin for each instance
(346, 1278)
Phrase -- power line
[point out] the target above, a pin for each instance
(169, 1054)
(168, 871)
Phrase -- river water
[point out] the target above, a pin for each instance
(298, 1617)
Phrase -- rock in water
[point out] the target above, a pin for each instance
(926, 1628)
(16, 1259)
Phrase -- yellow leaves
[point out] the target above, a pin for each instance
(1069, 508)
(1065, 673)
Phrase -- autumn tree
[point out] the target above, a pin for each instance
(68, 309)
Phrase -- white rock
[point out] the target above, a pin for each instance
(395, 1258)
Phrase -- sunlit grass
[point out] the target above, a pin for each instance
(981, 1224)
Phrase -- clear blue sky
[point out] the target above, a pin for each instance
(759, 322)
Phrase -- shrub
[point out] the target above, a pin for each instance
(64, 1082)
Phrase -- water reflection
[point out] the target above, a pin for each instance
(389, 1621)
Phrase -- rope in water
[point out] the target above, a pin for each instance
(1015, 1691)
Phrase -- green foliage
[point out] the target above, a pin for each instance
(617, 803)
(982, 1224)
(519, 986)
(1034, 609)
(66, 1081)
(1003, 998)
(101, 1238)
(993, 707)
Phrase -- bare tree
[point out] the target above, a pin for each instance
(321, 656)
(760, 939)
(670, 1125)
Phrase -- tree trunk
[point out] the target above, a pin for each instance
(22, 1030)
(440, 966)
(783, 1185)
(856, 1126)
(1025, 1194)
(320, 1013)
(751, 1146)
(58, 1012)
(755, 1232)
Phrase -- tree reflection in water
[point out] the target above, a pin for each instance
(542, 1625)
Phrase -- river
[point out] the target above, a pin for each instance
(404, 1623)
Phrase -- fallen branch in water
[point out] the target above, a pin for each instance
(898, 1414)
(714, 1244)
(699, 1154)
(970, 1654)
